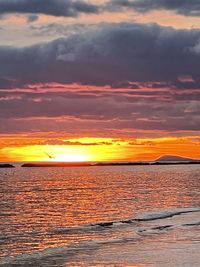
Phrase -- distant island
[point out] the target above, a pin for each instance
(56, 164)
(163, 160)
(6, 165)
(172, 158)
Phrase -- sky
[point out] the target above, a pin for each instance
(115, 80)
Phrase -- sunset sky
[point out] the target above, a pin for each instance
(99, 80)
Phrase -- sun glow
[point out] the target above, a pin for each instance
(71, 157)
(38, 149)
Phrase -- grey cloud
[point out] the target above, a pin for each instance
(105, 55)
(183, 7)
(107, 112)
(66, 8)
(158, 67)
(32, 18)
(55, 29)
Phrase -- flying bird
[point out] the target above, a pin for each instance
(51, 157)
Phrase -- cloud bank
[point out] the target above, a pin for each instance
(182, 7)
(65, 8)
(109, 78)
(72, 8)
(107, 54)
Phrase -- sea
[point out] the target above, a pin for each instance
(100, 216)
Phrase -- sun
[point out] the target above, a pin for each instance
(71, 158)
(68, 154)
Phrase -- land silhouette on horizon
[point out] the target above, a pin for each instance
(6, 165)
(162, 160)
(174, 158)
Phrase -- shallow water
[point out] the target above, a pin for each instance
(100, 216)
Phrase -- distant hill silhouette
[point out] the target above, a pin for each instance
(6, 165)
(173, 158)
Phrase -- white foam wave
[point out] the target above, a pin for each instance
(165, 214)
(141, 227)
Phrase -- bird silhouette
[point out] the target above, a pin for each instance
(51, 157)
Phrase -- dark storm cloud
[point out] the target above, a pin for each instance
(66, 8)
(183, 7)
(105, 55)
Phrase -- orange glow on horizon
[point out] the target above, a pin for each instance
(29, 148)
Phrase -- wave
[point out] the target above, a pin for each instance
(147, 217)
(166, 214)
(33, 258)
(141, 228)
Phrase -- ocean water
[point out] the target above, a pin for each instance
(100, 216)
